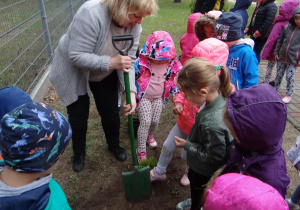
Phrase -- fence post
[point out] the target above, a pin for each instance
(45, 28)
(71, 8)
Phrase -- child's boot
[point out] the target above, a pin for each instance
(152, 143)
(184, 205)
(141, 156)
(157, 177)
(291, 205)
(287, 99)
(184, 181)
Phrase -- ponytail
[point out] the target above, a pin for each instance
(225, 86)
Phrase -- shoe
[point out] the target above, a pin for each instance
(152, 143)
(157, 177)
(184, 205)
(272, 83)
(291, 205)
(184, 181)
(141, 156)
(78, 162)
(287, 99)
(119, 153)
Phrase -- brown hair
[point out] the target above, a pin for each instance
(198, 73)
(203, 20)
(120, 9)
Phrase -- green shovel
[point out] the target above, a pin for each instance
(137, 182)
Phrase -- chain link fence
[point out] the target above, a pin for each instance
(29, 32)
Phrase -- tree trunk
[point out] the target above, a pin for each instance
(177, 1)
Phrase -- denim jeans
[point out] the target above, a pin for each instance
(258, 47)
(296, 195)
(105, 95)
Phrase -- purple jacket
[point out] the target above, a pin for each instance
(286, 10)
(258, 117)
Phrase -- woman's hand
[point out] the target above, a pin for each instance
(178, 108)
(120, 63)
(179, 142)
(127, 109)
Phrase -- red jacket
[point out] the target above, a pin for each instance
(186, 118)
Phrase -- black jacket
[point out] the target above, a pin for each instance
(204, 6)
(263, 20)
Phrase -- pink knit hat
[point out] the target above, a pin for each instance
(240, 192)
(213, 50)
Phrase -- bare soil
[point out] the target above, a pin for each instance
(100, 184)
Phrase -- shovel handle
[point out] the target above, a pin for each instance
(127, 90)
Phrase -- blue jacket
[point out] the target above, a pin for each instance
(49, 196)
(243, 66)
(240, 8)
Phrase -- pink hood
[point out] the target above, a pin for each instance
(191, 20)
(240, 192)
(213, 50)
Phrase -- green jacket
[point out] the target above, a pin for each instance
(209, 142)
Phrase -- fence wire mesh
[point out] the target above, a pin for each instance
(29, 32)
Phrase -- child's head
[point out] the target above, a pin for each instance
(256, 118)
(204, 26)
(199, 78)
(33, 137)
(213, 50)
(295, 19)
(159, 46)
(228, 28)
(237, 191)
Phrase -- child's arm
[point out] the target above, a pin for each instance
(210, 147)
(280, 41)
(249, 70)
(178, 103)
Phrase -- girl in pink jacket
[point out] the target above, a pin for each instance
(286, 10)
(216, 52)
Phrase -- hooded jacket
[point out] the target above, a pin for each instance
(189, 39)
(203, 20)
(258, 117)
(286, 10)
(262, 19)
(243, 65)
(240, 192)
(288, 43)
(159, 46)
(240, 8)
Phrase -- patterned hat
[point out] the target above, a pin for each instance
(33, 137)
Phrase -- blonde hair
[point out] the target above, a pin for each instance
(120, 9)
(199, 73)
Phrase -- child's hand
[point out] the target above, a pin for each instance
(179, 142)
(126, 107)
(298, 63)
(276, 58)
(120, 63)
(178, 108)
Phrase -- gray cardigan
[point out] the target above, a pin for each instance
(78, 52)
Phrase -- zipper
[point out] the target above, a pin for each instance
(286, 51)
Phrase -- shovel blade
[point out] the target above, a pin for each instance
(137, 183)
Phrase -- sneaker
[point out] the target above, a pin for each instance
(141, 156)
(184, 181)
(287, 99)
(184, 205)
(119, 153)
(152, 143)
(78, 162)
(157, 177)
(291, 205)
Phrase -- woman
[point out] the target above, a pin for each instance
(261, 24)
(86, 62)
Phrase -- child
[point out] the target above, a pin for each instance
(156, 70)
(242, 61)
(216, 52)
(294, 156)
(256, 118)
(239, 192)
(189, 40)
(287, 54)
(209, 141)
(261, 24)
(240, 8)
(33, 138)
(204, 25)
(286, 10)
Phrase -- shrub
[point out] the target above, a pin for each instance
(151, 162)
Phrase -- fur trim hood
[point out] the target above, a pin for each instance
(200, 23)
